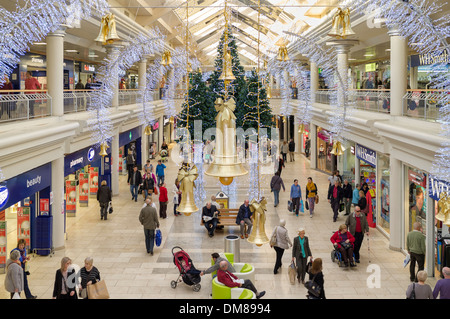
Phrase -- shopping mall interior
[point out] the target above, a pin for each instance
(236, 98)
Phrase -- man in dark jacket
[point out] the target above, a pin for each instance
(244, 217)
(149, 220)
(209, 216)
(348, 195)
(291, 149)
(335, 195)
(357, 225)
(104, 197)
(134, 180)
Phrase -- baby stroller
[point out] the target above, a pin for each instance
(164, 154)
(188, 273)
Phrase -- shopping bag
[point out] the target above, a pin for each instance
(341, 207)
(110, 208)
(98, 290)
(406, 260)
(292, 272)
(290, 208)
(302, 207)
(16, 296)
(158, 238)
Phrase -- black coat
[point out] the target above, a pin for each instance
(138, 177)
(292, 146)
(58, 286)
(241, 214)
(318, 278)
(104, 194)
(340, 193)
(348, 191)
(297, 248)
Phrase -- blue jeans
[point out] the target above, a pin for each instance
(276, 194)
(211, 226)
(134, 191)
(160, 179)
(149, 239)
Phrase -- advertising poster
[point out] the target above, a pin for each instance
(93, 181)
(23, 225)
(44, 206)
(83, 180)
(3, 244)
(71, 198)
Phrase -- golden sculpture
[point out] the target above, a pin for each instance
(186, 177)
(166, 58)
(226, 164)
(338, 149)
(282, 54)
(103, 148)
(444, 208)
(258, 235)
(341, 19)
(108, 33)
(148, 130)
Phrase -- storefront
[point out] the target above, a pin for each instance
(85, 71)
(169, 129)
(306, 140)
(23, 199)
(326, 161)
(130, 144)
(153, 145)
(84, 171)
(346, 165)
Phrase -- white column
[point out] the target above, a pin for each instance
(58, 203)
(413, 77)
(55, 70)
(142, 73)
(314, 81)
(357, 169)
(161, 131)
(144, 146)
(399, 71)
(395, 205)
(112, 51)
(313, 147)
(297, 140)
(115, 164)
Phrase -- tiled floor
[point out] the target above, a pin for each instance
(117, 246)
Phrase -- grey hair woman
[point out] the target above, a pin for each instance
(14, 281)
(89, 275)
(282, 243)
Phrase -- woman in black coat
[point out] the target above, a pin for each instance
(65, 285)
(301, 255)
(316, 275)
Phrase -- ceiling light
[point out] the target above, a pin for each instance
(39, 43)
(388, 50)
(93, 56)
(417, 43)
(369, 55)
(71, 51)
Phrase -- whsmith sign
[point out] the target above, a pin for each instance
(430, 58)
(366, 154)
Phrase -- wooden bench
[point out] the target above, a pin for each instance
(227, 217)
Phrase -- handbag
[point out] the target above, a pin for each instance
(98, 290)
(110, 208)
(158, 238)
(306, 205)
(341, 207)
(317, 198)
(346, 245)
(290, 208)
(413, 293)
(312, 287)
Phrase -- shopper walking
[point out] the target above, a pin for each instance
(14, 279)
(244, 218)
(31, 83)
(275, 185)
(291, 150)
(296, 196)
(415, 245)
(149, 219)
(89, 275)
(442, 288)
(163, 201)
(134, 180)
(311, 195)
(284, 150)
(104, 197)
(355, 195)
(421, 290)
(357, 225)
(65, 285)
(300, 253)
(24, 262)
(347, 194)
(282, 242)
(334, 198)
(316, 275)
(160, 172)
(148, 185)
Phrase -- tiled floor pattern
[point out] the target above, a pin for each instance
(117, 246)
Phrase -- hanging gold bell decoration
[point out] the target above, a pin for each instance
(186, 177)
(227, 68)
(301, 129)
(148, 130)
(269, 92)
(341, 19)
(444, 208)
(166, 58)
(338, 149)
(103, 148)
(108, 33)
(282, 54)
(258, 235)
(226, 164)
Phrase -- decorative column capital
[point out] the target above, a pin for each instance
(342, 45)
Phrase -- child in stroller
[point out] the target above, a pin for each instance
(188, 273)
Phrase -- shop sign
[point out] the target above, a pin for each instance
(91, 154)
(4, 195)
(430, 58)
(87, 68)
(436, 187)
(417, 178)
(79, 159)
(366, 154)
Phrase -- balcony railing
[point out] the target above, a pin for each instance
(24, 104)
(423, 104)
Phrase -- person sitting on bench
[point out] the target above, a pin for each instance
(209, 216)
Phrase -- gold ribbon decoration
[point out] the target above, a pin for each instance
(258, 235)
(226, 110)
(190, 174)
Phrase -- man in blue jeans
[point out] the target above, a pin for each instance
(296, 196)
(160, 172)
(134, 180)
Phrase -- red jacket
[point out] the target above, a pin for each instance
(163, 195)
(336, 238)
(225, 277)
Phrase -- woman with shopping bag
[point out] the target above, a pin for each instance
(14, 281)
(89, 275)
(280, 241)
(300, 253)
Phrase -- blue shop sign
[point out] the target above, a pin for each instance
(366, 154)
(81, 158)
(436, 187)
(25, 185)
(129, 136)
